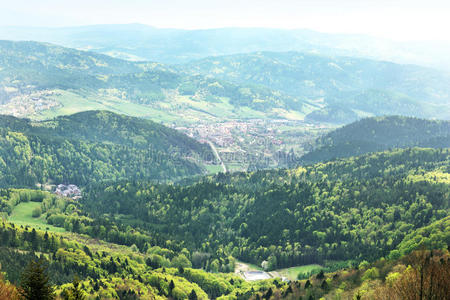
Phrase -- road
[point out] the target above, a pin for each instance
(216, 154)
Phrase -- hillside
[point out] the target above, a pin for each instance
(378, 134)
(94, 146)
(42, 80)
(353, 209)
(358, 220)
(360, 87)
(105, 270)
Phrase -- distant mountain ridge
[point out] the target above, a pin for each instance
(351, 86)
(43, 80)
(26, 68)
(378, 134)
(143, 42)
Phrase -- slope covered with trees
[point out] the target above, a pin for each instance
(41, 77)
(94, 146)
(105, 270)
(357, 86)
(378, 134)
(34, 74)
(142, 240)
(358, 208)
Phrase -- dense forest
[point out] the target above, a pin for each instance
(142, 240)
(92, 147)
(378, 134)
(106, 270)
(353, 209)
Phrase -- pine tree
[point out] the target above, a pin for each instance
(268, 294)
(307, 284)
(171, 287)
(321, 275)
(324, 285)
(193, 295)
(35, 283)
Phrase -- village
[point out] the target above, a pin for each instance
(263, 142)
(69, 191)
(20, 103)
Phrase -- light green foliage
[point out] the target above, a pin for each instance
(36, 213)
(181, 261)
(360, 207)
(371, 274)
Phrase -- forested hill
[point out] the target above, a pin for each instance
(356, 208)
(378, 134)
(108, 127)
(42, 76)
(42, 80)
(94, 146)
(347, 88)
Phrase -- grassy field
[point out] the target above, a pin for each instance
(291, 273)
(176, 109)
(72, 103)
(213, 169)
(21, 215)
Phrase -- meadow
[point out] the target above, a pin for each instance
(22, 215)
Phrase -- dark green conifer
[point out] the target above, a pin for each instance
(35, 282)
(193, 295)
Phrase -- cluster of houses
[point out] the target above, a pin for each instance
(69, 190)
(224, 134)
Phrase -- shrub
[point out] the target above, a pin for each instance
(36, 212)
(370, 274)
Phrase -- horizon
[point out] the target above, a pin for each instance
(401, 20)
(372, 36)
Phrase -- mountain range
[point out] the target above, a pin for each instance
(43, 80)
(142, 42)
(112, 139)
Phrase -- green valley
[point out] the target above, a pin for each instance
(224, 163)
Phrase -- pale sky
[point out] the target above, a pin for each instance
(393, 19)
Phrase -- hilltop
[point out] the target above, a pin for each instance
(378, 134)
(95, 146)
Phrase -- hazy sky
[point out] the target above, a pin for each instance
(395, 19)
